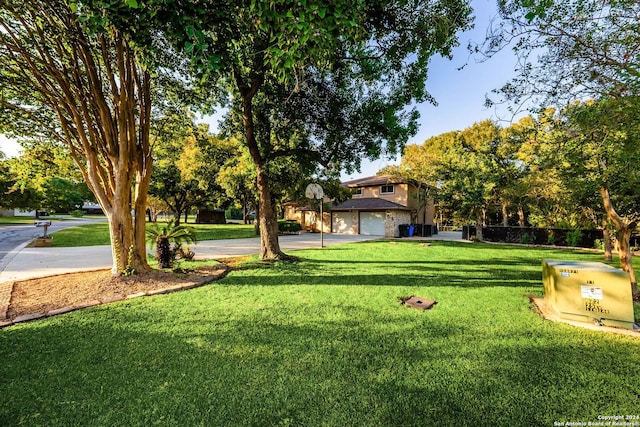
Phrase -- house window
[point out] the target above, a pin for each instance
(357, 192)
(386, 189)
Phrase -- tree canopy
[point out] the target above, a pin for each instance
(569, 50)
(322, 83)
(584, 50)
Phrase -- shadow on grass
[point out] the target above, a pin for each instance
(461, 278)
(208, 363)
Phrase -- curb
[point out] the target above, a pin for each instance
(11, 255)
(175, 288)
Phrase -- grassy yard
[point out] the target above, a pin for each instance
(11, 220)
(98, 234)
(325, 342)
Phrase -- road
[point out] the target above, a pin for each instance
(14, 236)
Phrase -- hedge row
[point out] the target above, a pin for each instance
(538, 236)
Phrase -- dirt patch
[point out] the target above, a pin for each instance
(46, 294)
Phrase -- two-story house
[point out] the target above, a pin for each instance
(380, 204)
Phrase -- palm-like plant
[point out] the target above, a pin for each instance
(169, 239)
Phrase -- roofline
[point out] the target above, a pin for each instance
(390, 179)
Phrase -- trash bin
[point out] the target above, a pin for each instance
(404, 230)
(588, 292)
(411, 230)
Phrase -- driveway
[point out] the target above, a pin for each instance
(24, 263)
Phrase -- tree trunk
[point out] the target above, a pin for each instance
(266, 217)
(269, 244)
(623, 234)
(479, 224)
(163, 252)
(177, 215)
(606, 240)
(101, 100)
(521, 217)
(127, 238)
(505, 215)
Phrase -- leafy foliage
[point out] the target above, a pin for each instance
(317, 83)
(584, 48)
(169, 239)
(188, 160)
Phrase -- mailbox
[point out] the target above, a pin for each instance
(45, 224)
(588, 292)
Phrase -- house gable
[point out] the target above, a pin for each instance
(384, 187)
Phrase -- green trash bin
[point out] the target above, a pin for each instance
(404, 230)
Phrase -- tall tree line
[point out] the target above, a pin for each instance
(575, 168)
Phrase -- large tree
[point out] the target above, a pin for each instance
(266, 52)
(586, 49)
(600, 156)
(80, 84)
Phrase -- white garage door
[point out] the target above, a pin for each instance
(342, 223)
(372, 223)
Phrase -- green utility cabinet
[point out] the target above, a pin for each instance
(588, 292)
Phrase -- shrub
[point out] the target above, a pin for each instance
(574, 237)
(551, 239)
(598, 244)
(169, 239)
(289, 226)
(76, 213)
(525, 238)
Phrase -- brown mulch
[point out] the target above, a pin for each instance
(43, 295)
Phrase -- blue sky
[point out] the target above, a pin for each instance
(460, 93)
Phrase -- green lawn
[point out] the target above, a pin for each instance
(98, 233)
(324, 342)
(12, 220)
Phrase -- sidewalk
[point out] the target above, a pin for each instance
(25, 263)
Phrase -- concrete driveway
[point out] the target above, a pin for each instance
(24, 263)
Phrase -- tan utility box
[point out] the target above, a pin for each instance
(588, 292)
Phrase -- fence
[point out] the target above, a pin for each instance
(535, 236)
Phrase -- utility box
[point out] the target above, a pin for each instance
(588, 292)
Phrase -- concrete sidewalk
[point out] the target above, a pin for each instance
(25, 263)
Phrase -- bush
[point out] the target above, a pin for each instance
(289, 226)
(551, 239)
(574, 237)
(525, 238)
(169, 240)
(76, 213)
(233, 213)
(598, 244)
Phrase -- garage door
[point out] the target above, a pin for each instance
(342, 223)
(372, 223)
